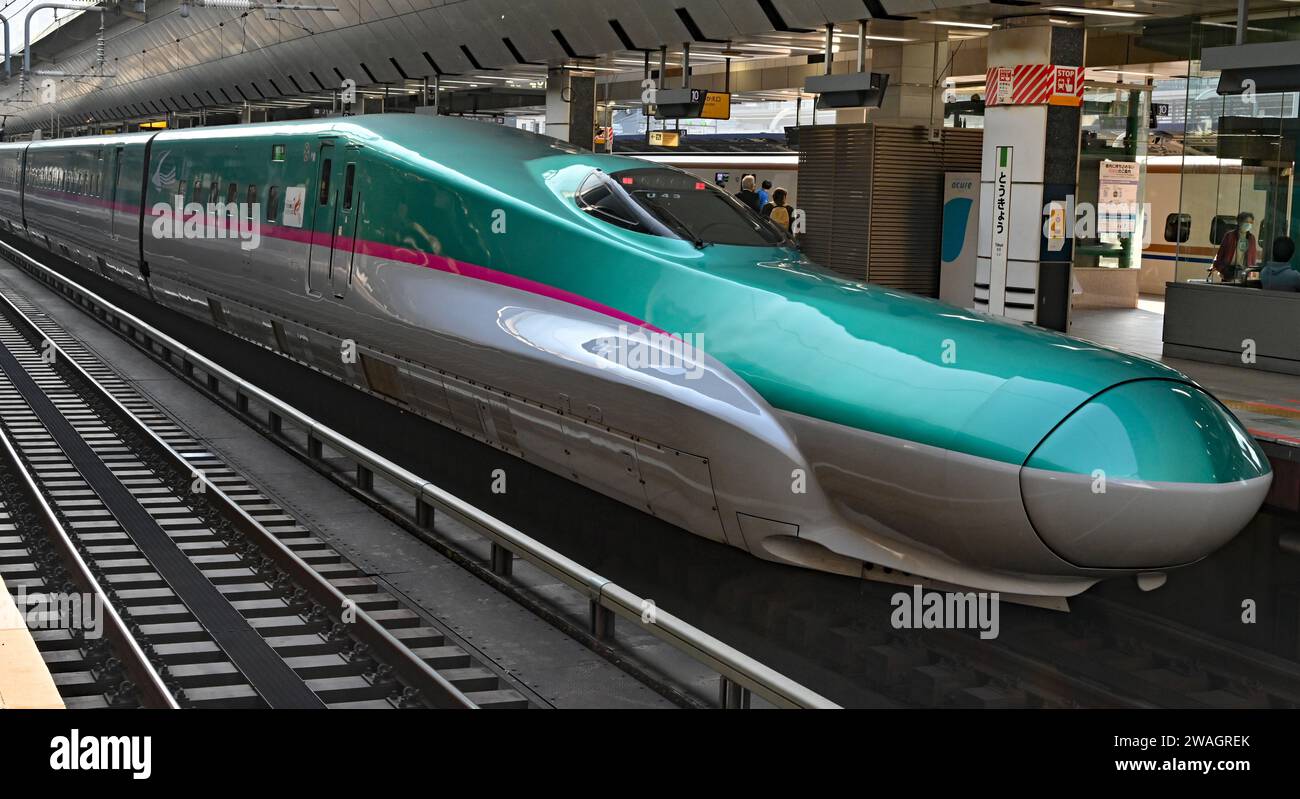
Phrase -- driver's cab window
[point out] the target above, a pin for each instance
(599, 197)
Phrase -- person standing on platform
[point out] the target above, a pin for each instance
(778, 211)
(1280, 274)
(1239, 249)
(764, 194)
(747, 195)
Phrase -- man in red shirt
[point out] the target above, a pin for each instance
(1239, 249)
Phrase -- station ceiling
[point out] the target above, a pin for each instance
(225, 57)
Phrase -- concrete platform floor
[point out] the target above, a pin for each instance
(25, 682)
(1268, 403)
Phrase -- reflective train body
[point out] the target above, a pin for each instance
(510, 287)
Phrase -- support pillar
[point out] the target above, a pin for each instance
(1029, 171)
(571, 107)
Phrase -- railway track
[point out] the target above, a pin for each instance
(222, 597)
(1101, 654)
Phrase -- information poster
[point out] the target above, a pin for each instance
(1117, 198)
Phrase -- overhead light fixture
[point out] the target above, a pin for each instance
(1130, 72)
(723, 160)
(871, 37)
(1101, 12)
(954, 24)
(1234, 27)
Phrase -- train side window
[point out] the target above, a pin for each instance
(214, 191)
(348, 178)
(1219, 227)
(325, 168)
(251, 202)
(1178, 228)
(232, 191)
(272, 203)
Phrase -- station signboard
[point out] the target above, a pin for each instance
(691, 104)
(665, 138)
(717, 105)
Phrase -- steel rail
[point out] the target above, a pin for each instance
(740, 674)
(154, 692)
(436, 688)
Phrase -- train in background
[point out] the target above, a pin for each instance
(1209, 197)
(494, 281)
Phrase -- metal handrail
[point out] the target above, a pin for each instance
(605, 596)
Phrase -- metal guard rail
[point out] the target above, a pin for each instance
(739, 672)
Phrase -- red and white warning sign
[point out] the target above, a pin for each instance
(999, 85)
(1034, 84)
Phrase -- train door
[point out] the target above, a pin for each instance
(324, 219)
(345, 229)
(115, 181)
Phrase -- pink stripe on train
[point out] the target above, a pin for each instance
(441, 263)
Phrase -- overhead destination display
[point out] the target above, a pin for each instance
(691, 104)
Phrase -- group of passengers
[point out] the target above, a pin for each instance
(766, 201)
(1239, 251)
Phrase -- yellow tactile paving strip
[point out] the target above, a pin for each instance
(1278, 421)
(25, 682)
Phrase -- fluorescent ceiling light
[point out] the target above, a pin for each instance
(872, 37)
(1101, 12)
(1234, 27)
(723, 160)
(786, 47)
(955, 24)
(1129, 72)
(1189, 160)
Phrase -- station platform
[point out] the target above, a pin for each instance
(25, 681)
(1267, 403)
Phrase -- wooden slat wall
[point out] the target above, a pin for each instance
(873, 196)
(835, 195)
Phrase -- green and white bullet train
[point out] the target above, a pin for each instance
(493, 281)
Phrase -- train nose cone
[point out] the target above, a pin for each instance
(1148, 474)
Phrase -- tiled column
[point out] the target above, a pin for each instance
(1030, 162)
(571, 107)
